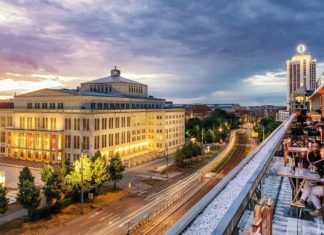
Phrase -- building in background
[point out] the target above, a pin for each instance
(111, 114)
(301, 79)
(200, 111)
(282, 115)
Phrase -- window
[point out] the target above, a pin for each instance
(29, 105)
(52, 105)
(111, 140)
(76, 124)
(44, 105)
(37, 123)
(116, 138)
(22, 122)
(104, 141)
(45, 123)
(76, 142)
(29, 122)
(85, 143)
(67, 123)
(97, 124)
(9, 121)
(111, 123)
(96, 142)
(104, 123)
(117, 122)
(60, 105)
(67, 141)
(53, 123)
(128, 121)
(37, 105)
(2, 122)
(123, 122)
(128, 136)
(85, 124)
(3, 137)
(123, 137)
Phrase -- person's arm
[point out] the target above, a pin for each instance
(306, 161)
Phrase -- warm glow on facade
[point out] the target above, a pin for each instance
(112, 115)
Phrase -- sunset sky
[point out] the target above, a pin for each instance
(186, 51)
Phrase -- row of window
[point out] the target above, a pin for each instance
(45, 106)
(105, 140)
(37, 123)
(5, 121)
(135, 89)
(101, 88)
(124, 106)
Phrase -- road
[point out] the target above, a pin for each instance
(116, 217)
(12, 174)
(160, 223)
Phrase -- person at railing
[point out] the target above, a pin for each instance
(314, 162)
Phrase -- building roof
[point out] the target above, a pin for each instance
(6, 104)
(113, 79)
(198, 108)
(99, 94)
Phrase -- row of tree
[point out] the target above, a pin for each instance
(265, 127)
(65, 181)
(213, 128)
(187, 152)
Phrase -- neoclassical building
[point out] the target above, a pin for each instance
(110, 114)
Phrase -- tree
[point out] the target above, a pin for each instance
(4, 201)
(96, 155)
(115, 169)
(26, 174)
(28, 194)
(74, 178)
(100, 171)
(53, 179)
(179, 157)
(210, 136)
(67, 168)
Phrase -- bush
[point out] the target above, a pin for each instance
(42, 213)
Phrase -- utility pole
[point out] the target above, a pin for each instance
(167, 161)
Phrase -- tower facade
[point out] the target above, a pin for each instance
(301, 78)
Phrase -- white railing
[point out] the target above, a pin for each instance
(219, 211)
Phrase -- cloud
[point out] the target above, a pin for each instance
(183, 50)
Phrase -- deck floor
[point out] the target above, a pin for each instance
(285, 221)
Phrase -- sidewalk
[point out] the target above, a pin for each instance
(22, 163)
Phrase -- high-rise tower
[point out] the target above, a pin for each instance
(301, 78)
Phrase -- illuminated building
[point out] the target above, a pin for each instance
(301, 79)
(111, 114)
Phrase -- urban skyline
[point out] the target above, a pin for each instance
(232, 53)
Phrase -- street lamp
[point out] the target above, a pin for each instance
(81, 184)
(167, 160)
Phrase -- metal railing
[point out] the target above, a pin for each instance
(233, 214)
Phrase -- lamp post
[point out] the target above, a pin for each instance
(81, 184)
(167, 160)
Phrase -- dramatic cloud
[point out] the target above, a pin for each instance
(187, 51)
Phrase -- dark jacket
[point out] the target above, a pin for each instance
(310, 158)
(320, 166)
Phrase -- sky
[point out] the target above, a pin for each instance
(215, 51)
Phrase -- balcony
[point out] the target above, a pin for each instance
(229, 207)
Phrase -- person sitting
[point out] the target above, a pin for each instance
(308, 162)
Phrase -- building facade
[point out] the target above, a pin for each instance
(282, 115)
(110, 115)
(301, 79)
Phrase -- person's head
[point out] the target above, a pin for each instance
(322, 151)
(316, 146)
